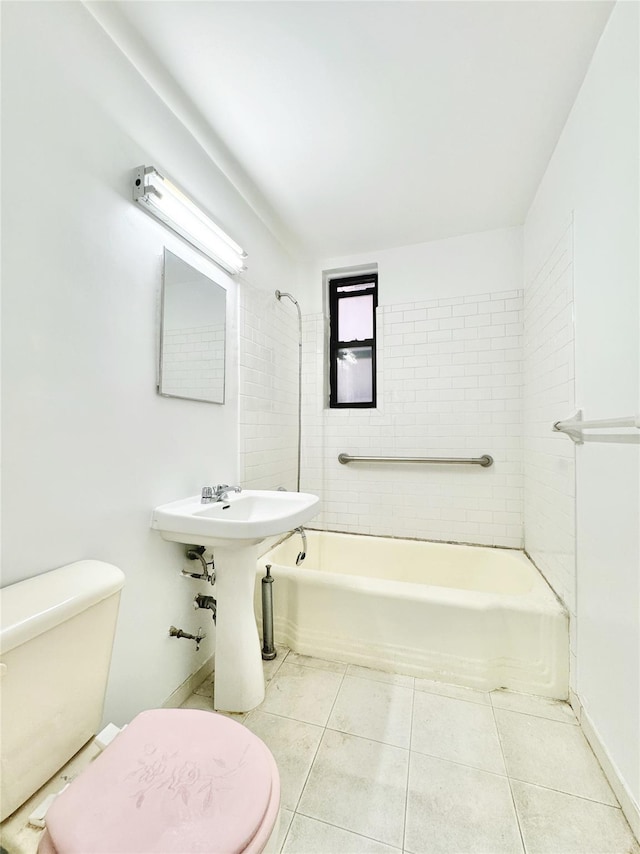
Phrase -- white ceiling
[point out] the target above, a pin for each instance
(368, 125)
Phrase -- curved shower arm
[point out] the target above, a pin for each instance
(279, 295)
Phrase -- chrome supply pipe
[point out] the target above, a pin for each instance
(197, 553)
(209, 602)
(179, 633)
(268, 648)
(279, 295)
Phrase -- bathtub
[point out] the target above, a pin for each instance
(468, 615)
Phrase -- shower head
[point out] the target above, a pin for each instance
(280, 294)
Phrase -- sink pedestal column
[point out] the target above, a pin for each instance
(239, 677)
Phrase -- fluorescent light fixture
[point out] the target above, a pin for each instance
(166, 202)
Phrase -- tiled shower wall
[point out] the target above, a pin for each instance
(449, 384)
(268, 390)
(549, 505)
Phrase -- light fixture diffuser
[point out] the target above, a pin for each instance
(166, 202)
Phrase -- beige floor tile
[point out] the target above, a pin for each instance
(380, 675)
(308, 836)
(375, 710)
(452, 808)
(458, 692)
(552, 754)
(205, 703)
(542, 707)
(318, 663)
(457, 730)
(557, 823)
(294, 745)
(205, 688)
(271, 667)
(358, 785)
(198, 701)
(302, 693)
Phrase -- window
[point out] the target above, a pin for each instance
(352, 341)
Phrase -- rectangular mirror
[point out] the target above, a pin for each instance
(192, 333)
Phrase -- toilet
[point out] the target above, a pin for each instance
(174, 781)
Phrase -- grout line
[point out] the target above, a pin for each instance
(460, 764)
(309, 659)
(324, 730)
(285, 718)
(286, 836)
(346, 830)
(367, 738)
(462, 699)
(534, 714)
(406, 791)
(379, 681)
(293, 812)
(504, 759)
(615, 806)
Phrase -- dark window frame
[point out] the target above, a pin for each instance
(335, 344)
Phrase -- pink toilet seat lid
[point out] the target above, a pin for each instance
(175, 781)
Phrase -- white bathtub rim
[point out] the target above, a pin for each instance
(464, 543)
(540, 598)
(519, 555)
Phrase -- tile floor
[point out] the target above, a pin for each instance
(376, 763)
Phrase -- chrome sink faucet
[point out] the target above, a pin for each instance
(211, 494)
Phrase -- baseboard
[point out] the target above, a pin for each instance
(189, 685)
(626, 800)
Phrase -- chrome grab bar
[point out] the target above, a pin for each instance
(484, 461)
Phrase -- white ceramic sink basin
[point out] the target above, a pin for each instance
(244, 518)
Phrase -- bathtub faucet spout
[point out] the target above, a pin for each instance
(301, 555)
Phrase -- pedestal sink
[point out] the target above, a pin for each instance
(234, 527)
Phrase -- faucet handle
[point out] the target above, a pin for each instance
(207, 494)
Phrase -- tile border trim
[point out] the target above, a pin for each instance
(630, 809)
(188, 687)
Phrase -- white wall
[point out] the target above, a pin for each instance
(89, 448)
(485, 262)
(594, 173)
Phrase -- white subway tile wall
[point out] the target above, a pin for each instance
(193, 362)
(449, 378)
(549, 384)
(268, 390)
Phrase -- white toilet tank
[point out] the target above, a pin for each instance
(56, 638)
